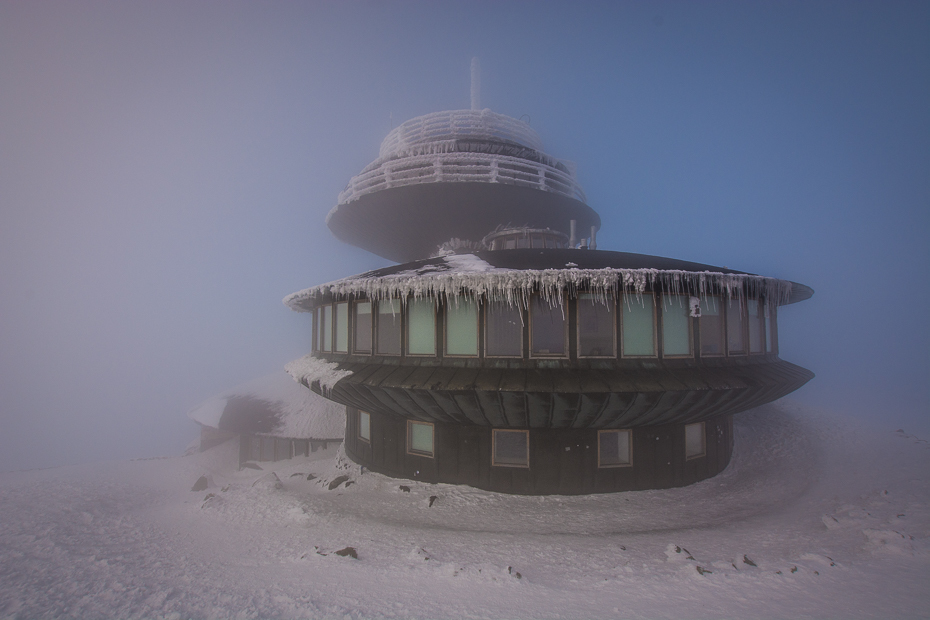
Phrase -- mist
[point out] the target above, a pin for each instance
(166, 169)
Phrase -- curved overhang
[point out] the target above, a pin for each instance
(406, 223)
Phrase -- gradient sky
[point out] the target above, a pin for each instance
(166, 167)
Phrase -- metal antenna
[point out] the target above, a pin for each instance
(475, 84)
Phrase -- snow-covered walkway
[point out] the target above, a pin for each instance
(810, 520)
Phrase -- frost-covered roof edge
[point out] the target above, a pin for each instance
(514, 286)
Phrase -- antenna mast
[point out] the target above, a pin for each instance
(475, 84)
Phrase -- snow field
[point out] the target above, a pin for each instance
(811, 519)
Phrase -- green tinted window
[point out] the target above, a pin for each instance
(676, 325)
(462, 327)
(421, 327)
(639, 325)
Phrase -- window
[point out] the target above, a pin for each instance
(595, 326)
(317, 330)
(510, 448)
(389, 327)
(547, 327)
(676, 326)
(756, 326)
(421, 327)
(694, 440)
(736, 340)
(639, 325)
(462, 327)
(362, 342)
(342, 328)
(364, 426)
(614, 448)
(711, 323)
(503, 330)
(771, 329)
(523, 242)
(327, 328)
(538, 241)
(419, 438)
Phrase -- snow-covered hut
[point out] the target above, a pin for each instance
(273, 418)
(518, 358)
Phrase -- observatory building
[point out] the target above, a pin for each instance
(506, 352)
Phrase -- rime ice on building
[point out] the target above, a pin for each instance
(508, 354)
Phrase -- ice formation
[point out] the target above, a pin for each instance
(469, 276)
(309, 370)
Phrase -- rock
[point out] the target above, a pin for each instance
(432, 500)
(335, 483)
(201, 484)
(297, 474)
(404, 488)
(511, 571)
(252, 466)
(311, 477)
(348, 552)
(746, 560)
(269, 481)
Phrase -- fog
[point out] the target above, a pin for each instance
(166, 168)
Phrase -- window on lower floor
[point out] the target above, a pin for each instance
(364, 425)
(676, 326)
(547, 327)
(614, 448)
(503, 330)
(711, 326)
(694, 440)
(638, 322)
(596, 318)
(419, 438)
(510, 448)
(461, 327)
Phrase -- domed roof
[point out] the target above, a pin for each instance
(483, 125)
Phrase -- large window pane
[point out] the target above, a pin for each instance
(595, 326)
(547, 327)
(420, 438)
(676, 325)
(756, 326)
(363, 327)
(318, 330)
(342, 328)
(511, 448)
(770, 329)
(461, 327)
(389, 327)
(613, 448)
(694, 440)
(364, 425)
(421, 327)
(711, 323)
(504, 330)
(736, 341)
(327, 328)
(639, 325)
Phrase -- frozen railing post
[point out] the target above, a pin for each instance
(571, 237)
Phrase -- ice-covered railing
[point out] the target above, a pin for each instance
(461, 167)
(456, 124)
(515, 286)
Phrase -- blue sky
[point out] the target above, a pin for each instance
(166, 168)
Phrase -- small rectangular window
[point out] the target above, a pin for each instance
(389, 327)
(550, 243)
(462, 327)
(756, 326)
(547, 327)
(510, 243)
(711, 326)
(327, 328)
(364, 425)
(736, 339)
(676, 326)
(614, 448)
(255, 448)
(639, 325)
(510, 448)
(770, 328)
(342, 327)
(694, 440)
(362, 327)
(523, 242)
(421, 327)
(503, 330)
(596, 320)
(317, 330)
(419, 438)
(538, 241)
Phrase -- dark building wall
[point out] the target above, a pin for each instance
(562, 461)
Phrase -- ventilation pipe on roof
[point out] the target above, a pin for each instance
(593, 244)
(571, 237)
(475, 84)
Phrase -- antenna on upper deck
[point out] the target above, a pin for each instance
(475, 84)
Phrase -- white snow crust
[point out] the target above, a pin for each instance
(812, 519)
(302, 414)
(470, 276)
(309, 369)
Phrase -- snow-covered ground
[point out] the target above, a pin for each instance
(811, 519)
